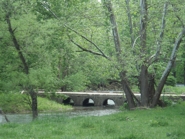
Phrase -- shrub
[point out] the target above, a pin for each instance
(171, 81)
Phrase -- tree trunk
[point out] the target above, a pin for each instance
(143, 23)
(16, 44)
(1, 112)
(151, 88)
(184, 72)
(33, 95)
(130, 21)
(168, 68)
(144, 85)
(115, 33)
(143, 78)
(126, 88)
(25, 64)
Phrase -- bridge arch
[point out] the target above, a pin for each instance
(109, 102)
(88, 102)
(68, 101)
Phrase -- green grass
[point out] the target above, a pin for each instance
(19, 103)
(158, 123)
(174, 90)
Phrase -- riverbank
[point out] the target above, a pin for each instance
(158, 123)
(20, 103)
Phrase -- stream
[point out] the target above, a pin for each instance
(77, 111)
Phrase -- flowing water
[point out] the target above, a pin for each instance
(77, 111)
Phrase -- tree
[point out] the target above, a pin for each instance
(48, 54)
(144, 54)
(145, 79)
(31, 62)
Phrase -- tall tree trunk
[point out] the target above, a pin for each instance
(130, 22)
(143, 24)
(168, 68)
(143, 78)
(25, 65)
(126, 88)
(184, 72)
(33, 95)
(144, 85)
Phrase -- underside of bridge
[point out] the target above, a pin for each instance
(89, 102)
(108, 102)
(68, 101)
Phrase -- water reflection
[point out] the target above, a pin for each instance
(92, 111)
(78, 111)
(1, 118)
(17, 118)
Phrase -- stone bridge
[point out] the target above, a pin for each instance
(91, 98)
(99, 98)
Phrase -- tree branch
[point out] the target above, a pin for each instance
(86, 50)
(1, 112)
(102, 53)
(163, 25)
(130, 21)
(16, 44)
(178, 16)
(133, 45)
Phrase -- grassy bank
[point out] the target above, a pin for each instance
(159, 123)
(167, 89)
(20, 103)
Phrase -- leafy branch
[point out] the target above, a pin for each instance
(86, 50)
(82, 36)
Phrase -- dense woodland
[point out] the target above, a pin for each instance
(78, 45)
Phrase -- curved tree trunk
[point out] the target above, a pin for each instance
(168, 68)
(127, 90)
(124, 83)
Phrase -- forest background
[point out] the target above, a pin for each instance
(80, 45)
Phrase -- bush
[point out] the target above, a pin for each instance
(13, 102)
(171, 81)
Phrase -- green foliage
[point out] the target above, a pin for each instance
(55, 62)
(124, 107)
(167, 102)
(45, 105)
(171, 81)
(76, 82)
(20, 103)
(180, 72)
(14, 103)
(176, 89)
